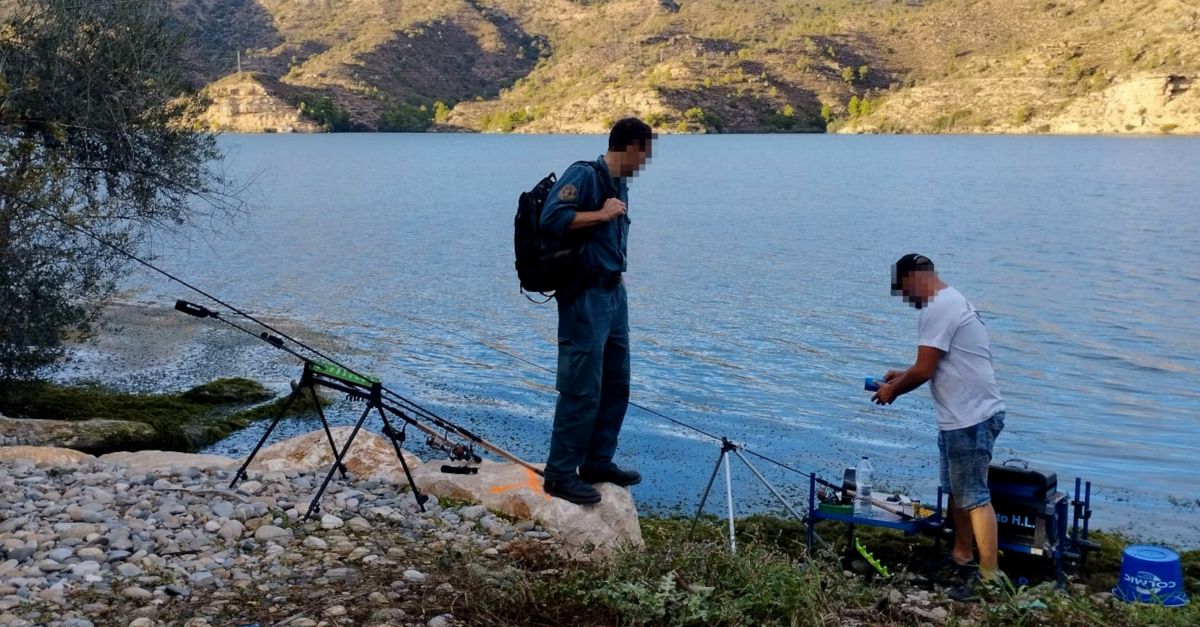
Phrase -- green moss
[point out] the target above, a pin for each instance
(225, 391)
(184, 421)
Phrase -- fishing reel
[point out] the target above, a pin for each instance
(457, 452)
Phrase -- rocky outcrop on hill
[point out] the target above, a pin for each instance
(250, 103)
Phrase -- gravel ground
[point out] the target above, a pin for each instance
(105, 545)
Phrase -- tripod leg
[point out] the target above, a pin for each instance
(707, 490)
(241, 473)
(403, 464)
(729, 504)
(325, 424)
(337, 461)
(770, 487)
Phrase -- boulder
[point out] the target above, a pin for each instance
(163, 460)
(516, 491)
(594, 529)
(89, 436)
(370, 457)
(44, 455)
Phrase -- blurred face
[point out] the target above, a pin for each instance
(917, 287)
(634, 158)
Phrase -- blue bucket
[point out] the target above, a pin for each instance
(1151, 574)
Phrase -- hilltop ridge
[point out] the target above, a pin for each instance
(994, 66)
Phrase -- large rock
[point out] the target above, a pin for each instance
(164, 460)
(371, 455)
(516, 491)
(89, 436)
(44, 455)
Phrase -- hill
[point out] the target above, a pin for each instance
(1070, 66)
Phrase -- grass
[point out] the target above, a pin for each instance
(680, 581)
(185, 421)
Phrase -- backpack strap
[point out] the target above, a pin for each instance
(606, 187)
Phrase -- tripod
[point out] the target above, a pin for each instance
(728, 447)
(357, 387)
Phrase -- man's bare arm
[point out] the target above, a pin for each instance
(898, 383)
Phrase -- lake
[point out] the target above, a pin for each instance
(758, 290)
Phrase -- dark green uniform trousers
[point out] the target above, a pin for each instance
(593, 380)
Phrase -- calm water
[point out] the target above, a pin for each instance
(758, 290)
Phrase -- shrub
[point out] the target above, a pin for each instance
(1021, 115)
(402, 117)
(441, 112)
(324, 111)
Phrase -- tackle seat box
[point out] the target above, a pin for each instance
(1028, 506)
(1012, 482)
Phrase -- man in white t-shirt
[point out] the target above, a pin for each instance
(954, 355)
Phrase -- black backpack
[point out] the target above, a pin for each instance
(547, 262)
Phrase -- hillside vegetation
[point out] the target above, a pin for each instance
(1072, 66)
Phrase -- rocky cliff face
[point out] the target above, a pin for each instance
(246, 103)
(1142, 104)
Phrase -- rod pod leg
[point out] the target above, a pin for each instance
(397, 438)
(325, 424)
(337, 461)
(241, 472)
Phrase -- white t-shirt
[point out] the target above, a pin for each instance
(964, 387)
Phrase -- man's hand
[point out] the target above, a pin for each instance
(613, 208)
(892, 375)
(885, 395)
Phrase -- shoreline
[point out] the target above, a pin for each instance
(162, 353)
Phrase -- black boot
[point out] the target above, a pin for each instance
(573, 489)
(612, 474)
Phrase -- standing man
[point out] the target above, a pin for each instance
(591, 201)
(954, 355)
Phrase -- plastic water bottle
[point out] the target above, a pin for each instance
(862, 487)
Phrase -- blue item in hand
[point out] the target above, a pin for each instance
(871, 385)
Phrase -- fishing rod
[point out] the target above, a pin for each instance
(278, 338)
(435, 440)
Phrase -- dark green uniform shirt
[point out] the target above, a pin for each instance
(580, 189)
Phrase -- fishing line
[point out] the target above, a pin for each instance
(406, 403)
(637, 405)
(279, 337)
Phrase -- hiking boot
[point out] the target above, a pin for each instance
(614, 475)
(951, 572)
(572, 488)
(977, 587)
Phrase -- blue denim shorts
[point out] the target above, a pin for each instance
(965, 456)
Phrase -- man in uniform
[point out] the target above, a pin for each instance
(954, 355)
(590, 201)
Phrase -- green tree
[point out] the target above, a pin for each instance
(853, 107)
(862, 72)
(441, 113)
(402, 117)
(95, 152)
(826, 113)
(848, 74)
(324, 111)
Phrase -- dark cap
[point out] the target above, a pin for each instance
(912, 262)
